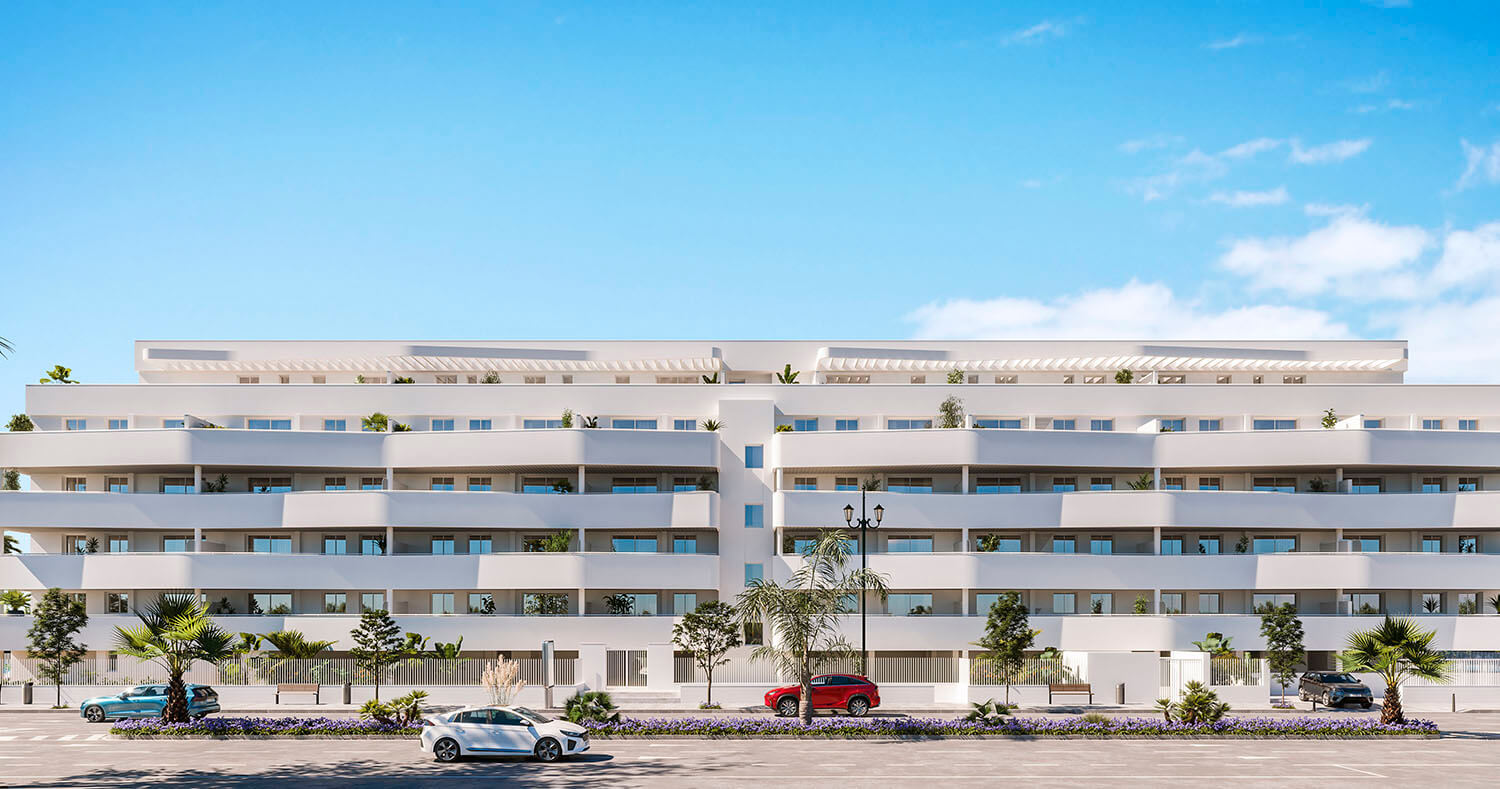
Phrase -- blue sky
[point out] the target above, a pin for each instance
(851, 170)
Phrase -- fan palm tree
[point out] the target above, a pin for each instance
(1398, 650)
(802, 617)
(294, 646)
(12, 545)
(5, 347)
(175, 632)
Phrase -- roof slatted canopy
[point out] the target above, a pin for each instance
(1104, 364)
(704, 364)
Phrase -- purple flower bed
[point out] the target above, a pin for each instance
(263, 727)
(1277, 726)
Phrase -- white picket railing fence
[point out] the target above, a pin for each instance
(1034, 671)
(269, 670)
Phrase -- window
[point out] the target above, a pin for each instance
(481, 603)
(441, 483)
(1171, 546)
(991, 543)
(1223, 379)
(908, 424)
(1275, 484)
(909, 603)
(1093, 379)
(633, 485)
(1062, 603)
(268, 424)
(75, 544)
(754, 572)
(77, 424)
(1468, 424)
(336, 425)
(805, 425)
(919, 379)
(1261, 601)
(1173, 483)
(1366, 544)
(846, 483)
(336, 546)
(117, 484)
(372, 601)
(1294, 379)
(1274, 544)
(1101, 483)
(270, 484)
(1064, 424)
(1063, 544)
(249, 379)
(1468, 543)
(804, 483)
(633, 544)
(541, 424)
(1366, 485)
(176, 484)
(1432, 484)
(119, 544)
(1171, 602)
(442, 602)
(680, 484)
(631, 604)
(997, 485)
(275, 604)
(684, 603)
(909, 484)
(684, 424)
(266, 544)
(481, 484)
(755, 456)
(372, 483)
(1064, 484)
(1101, 603)
(119, 424)
(75, 484)
(442, 545)
(173, 423)
(1275, 424)
(1208, 546)
(443, 425)
(1173, 426)
(1171, 378)
(1365, 603)
(335, 603)
(320, 379)
(1468, 484)
(622, 379)
(984, 601)
(1374, 424)
(445, 379)
(479, 424)
(481, 544)
(372, 544)
(1432, 424)
(374, 379)
(846, 424)
(1210, 483)
(177, 543)
(755, 516)
(1067, 379)
(1432, 603)
(1006, 379)
(909, 545)
(1000, 424)
(1101, 546)
(684, 544)
(1468, 602)
(831, 379)
(535, 379)
(1432, 544)
(1102, 425)
(117, 603)
(633, 424)
(1208, 603)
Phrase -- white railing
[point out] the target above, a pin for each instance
(1034, 671)
(270, 670)
(1470, 672)
(1243, 670)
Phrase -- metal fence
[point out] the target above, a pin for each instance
(1471, 672)
(736, 670)
(270, 670)
(625, 668)
(1242, 670)
(1034, 671)
(890, 669)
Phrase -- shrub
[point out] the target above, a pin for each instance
(1197, 705)
(1296, 726)
(216, 726)
(403, 711)
(591, 706)
(987, 711)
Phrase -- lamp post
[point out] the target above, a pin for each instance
(864, 563)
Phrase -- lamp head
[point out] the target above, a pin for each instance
(879, 513)
(848, 513)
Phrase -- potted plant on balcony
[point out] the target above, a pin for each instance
(712, 425)
(58, 374)
(16, 602)
(1124, 376)
(567, 417)
(955, 376)
(707, 483)
(784, 428)
(787, 375)
(1141, 605)
(20, 423)
(1330, 420)
(951, 413)
(620, 604)
(711, 379)
(1143, 482)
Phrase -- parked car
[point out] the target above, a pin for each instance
(1334, 689)
(849, 692)
(501, 731)
(147, 701)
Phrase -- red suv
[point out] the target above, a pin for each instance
(829, 692)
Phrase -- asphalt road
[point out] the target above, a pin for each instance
(62, 750)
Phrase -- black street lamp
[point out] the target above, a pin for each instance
(864, 563)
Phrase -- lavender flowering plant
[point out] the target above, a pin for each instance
(264, 727)
(834, 727)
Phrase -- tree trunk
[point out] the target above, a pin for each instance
(1007, 695)
(807, 707)
(710, 675)
(1390, 708)
(59, 693)
(176, 710)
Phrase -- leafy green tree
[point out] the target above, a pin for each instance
(58, 374)
(377, 644)
(20, 423)
(1397, 649)
(1282, 630)
(1124, 376)
(951, 413)
(51, 638)
(804, 614)
(955, 376)
(1007, 636)
(708, 633)
(175, 632)
(1330, 420)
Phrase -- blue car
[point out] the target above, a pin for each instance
(147, 701)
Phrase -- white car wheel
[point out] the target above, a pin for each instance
(94, 714)
(446, 750)
(548, 750)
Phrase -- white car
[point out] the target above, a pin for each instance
(501, 731)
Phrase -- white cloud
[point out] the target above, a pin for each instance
(1448, 339)
(1250, 148)
(1469, 256)
(1334, 209)
(1338, 256)
(1149, 143)
(1234, 43)
(1241, 199)
(1371, 84)
(1146, 310)
(1193, 167)
(1390, 105)
(1481, 164)
(1389, 3)
(1045, 30)
(1330, 152)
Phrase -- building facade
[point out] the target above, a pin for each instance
(592, 492)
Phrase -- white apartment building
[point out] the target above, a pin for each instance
(1249, 498)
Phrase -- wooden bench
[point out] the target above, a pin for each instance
(298, 687)
(1070, 688)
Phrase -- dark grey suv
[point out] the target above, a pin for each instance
(1334, 689)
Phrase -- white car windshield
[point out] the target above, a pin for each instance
(532, 714)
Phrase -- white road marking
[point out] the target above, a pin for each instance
(67, 737)
(40, 737)
(1365, 772)
(97, 736)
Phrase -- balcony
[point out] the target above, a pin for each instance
(310, 571)
(136, 449)
(20, 511)
(1145, 509)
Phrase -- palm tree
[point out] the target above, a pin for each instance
(12, 545)
(803, 616)
(5, 347)
(294, 646)
(175, 632)
(1397, 650)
